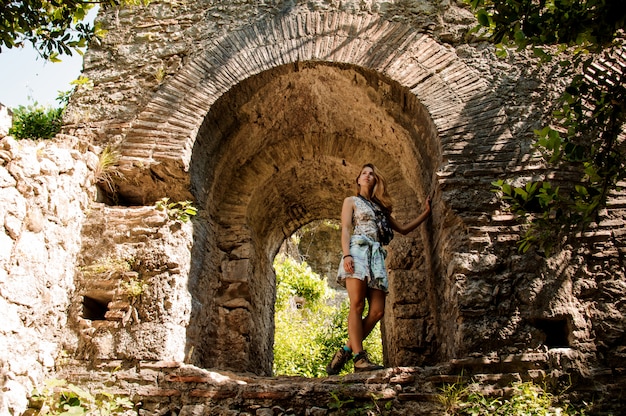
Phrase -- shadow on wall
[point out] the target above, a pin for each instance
(280, 150)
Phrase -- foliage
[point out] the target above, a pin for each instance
(178, 211)
(306, 338)
(338, 401)
(106, 168)
(297, 279)
(134, 287)
(58, 397)
(551, 22)
(526, 399)
(347, 405)
(582, 145)
(452, 395)
(36, 122)
(53, 27)
(83, 83)
(109, 265)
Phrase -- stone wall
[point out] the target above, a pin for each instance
(234, 105)
(262, 113)
(45, 191)
(132, 297)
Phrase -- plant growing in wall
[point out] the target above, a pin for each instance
(108, 266)
(347, 405)
(177, 211)
(584, 139)
(133, 288)
(526, 398)
(58, 397)
(107, 169)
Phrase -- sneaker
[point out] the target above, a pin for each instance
(340, 359)
(363, 363)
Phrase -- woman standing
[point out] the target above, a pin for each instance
(362, 270)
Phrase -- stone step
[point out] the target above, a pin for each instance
(154, 383)
(507, 363)
(171, 387)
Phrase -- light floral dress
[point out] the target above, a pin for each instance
(368, 254)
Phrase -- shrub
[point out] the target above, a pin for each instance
(527, 399)
(36, 122)
(306, 338)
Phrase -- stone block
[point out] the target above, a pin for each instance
(236, 270)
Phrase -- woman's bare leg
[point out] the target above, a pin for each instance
(357, 291)
(376, 310)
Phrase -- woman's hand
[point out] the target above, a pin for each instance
(410, 226)
(348, 264)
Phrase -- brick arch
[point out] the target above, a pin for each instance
(179, 143)
(158, 146)
(279, 150)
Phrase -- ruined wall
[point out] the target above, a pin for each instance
(232, 104)
(45, 192)
(262, 113)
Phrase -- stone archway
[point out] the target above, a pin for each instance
(177, 84)
(158, 143)
(341, 90)
(282, 149)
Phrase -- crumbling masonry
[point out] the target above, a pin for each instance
(261, 113)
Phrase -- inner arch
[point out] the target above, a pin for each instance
(282, 149)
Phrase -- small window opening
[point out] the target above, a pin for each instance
(556, 332)
(95, 309)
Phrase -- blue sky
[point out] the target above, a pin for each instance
(26, 78)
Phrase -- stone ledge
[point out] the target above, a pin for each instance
(160, 384)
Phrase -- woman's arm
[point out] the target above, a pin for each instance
(346, 231)
(410, 226)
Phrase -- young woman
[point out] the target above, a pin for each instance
(362, 270)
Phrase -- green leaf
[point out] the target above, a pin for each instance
(54, 57)
(582, 190)
(521, 192)
(501, 51)
(542, 54)
(483, 17)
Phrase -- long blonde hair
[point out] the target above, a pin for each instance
(380, 195)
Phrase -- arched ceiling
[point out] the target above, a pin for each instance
(208, 99)
(283, 148)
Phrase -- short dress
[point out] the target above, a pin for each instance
(367, 253)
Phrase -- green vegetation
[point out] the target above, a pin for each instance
(311, 322)
(134, 287)
(52, 27)
(108, 265)
(526, 399)
(582, 143)
(177, 211)
(58, 397)
(346, 405)
(36, 122)
(106, 169)
(530, 23)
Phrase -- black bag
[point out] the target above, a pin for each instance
(385, 232)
